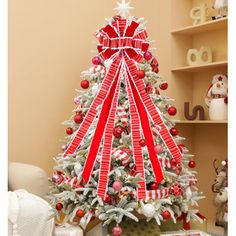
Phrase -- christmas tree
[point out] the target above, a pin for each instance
(123, 155)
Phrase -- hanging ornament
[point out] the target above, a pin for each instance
(117, 131)
(174, 131)
(147, 55)
(107, 199)
(192, 164)
(166, 215)
(77, 100)
(96, 60)
(63, 147)
(78, 118)
(117, 185)
(163, 86)
(57, 179)
(80, 213)
(157, 91)
(178, 169)
(142, 143)
(176, 190)
(148, 210)
(133, 171)
(59, 206)
(182, 148)
(140, 74)
(84, 84)
(149, 88)
(78, 168)
(158, 149)
(117, 231)
(172, 110)
(173, 162)
(153, 186)
(69, 130)
(79, 186)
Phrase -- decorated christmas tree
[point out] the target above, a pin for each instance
(123, 155)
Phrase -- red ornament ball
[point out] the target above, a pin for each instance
(176, 190)
(153, 186)
(57, 179)
(80, 213)
(142, 143)
(158, 149)
(96, 60)
(192, 164)
(117, 131)
(226, 100)
(78, 118)
(59, 206)
(141, 74)
(147, 55)
(172, 111)
(174, 131)
(107, 199)
(117, 231)
(166, 215)
(163, 86)
(117, 185)
(173, 162)
(69, 130)
(84, 84)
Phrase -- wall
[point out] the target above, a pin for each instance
(50, 43)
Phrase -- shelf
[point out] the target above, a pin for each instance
(201, 67)
(201, 122)
(201, 28)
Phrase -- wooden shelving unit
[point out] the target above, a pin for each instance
(206, 139)
(202, 28)
(201, 67)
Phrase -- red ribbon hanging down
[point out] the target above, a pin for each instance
(121, 41)
(153, 112)
(107, 144)
(136, 137)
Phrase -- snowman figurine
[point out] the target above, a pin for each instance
(222, 8)
(217, 98)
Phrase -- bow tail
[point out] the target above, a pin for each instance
(89, 164)
(89, 118)
(107, 145)
(153, 112)
(147, 133)
(136, 137)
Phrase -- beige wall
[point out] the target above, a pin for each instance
(50, 43)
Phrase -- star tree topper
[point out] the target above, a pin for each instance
(123, 8)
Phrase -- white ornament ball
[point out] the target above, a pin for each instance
(78, 168)
(148, 210)
(223, 163)
(77, 100)
(98, 158)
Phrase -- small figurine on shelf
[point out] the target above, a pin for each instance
(217, 98)
(220, 187)
(222, 8)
